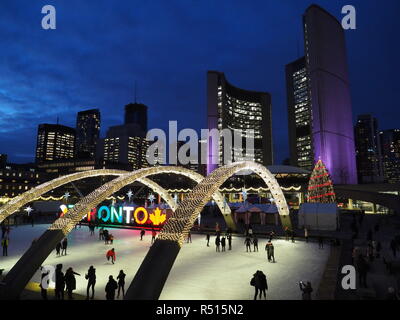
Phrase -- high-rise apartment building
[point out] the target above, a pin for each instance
(368, 149)
(136, 113)
(54, 142)
(229, 107)
(87, 133)
(390, 146)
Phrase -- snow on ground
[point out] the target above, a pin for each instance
(199, 273)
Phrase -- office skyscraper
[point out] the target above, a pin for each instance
(125, 145)
(87, 133)
(368, 149)
(136, 113)
(55, 142)
(331, 127)
(299, 113)
(229, 107)
(390, 146)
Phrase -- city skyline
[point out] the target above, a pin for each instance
(50, 86)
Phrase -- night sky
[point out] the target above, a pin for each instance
(100, 48)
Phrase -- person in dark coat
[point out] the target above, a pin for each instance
(105, 236)
(4, 244)
(247, 242)
(70, 281)
(320, 242)
(217, 243)
(60, 283)
(64, 246)
(223, 244)
(208, 239)
(189, 237)
(142, 233)
(91, 278)
(362, 268)
(229, 241)
(110, 288)
(306, 290)
(271, 252)
(255, 243)
(263, 284)
(121, 283)
(58, 249)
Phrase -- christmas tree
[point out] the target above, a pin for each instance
(320, 186)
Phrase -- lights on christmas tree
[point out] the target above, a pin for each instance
(320, 186)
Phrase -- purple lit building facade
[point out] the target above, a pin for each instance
(330, 110)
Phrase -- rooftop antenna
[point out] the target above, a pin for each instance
(57, 120)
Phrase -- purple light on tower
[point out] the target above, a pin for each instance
(332, 125)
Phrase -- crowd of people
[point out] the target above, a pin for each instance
(65, 284)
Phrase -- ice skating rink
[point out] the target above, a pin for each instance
(199, 273)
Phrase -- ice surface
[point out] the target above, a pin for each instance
(198, 273)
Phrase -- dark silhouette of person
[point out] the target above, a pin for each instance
(70, 281)
(270, 251)
(142, 233)
(121, 283)
(105, 236)
(153, 235)
(58, 248)
(263, 284)
(4, 244)
(110, 288)
(91, 278)
(44, 284)
(217, 243)
(255, 243)
(189, 237)
(101, 234)
(247, 242)
(362, 268)
(60, 283)
(306, 290)
(64, 246)
(293, 234)
(320, 242)
(111, 255)
(229, 242)
(208, 239)
(223, 244)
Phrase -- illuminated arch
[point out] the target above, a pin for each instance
(153, 272)
(17, 202)
(17, 278)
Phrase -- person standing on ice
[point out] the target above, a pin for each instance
(255, 243)
(223, 242)
(142, 233)
(217, 243)
(58, 249)
(64, 246)
(121, 283)
(91, 278)
(229, 241)
(111, 255)
(247, 242)
(110, 288)
(70, 281)
(60, 283)
(189, 237)
(208, 239)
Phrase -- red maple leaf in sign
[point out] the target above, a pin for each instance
(157, 217)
